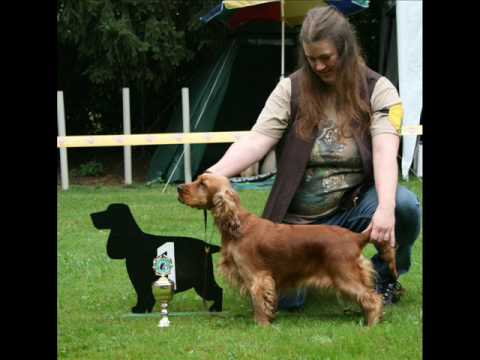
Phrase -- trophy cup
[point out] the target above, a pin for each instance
(163, 287)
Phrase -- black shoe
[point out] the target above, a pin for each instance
(291, 309)
(294, 309)
(391, 291)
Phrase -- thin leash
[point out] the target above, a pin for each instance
(207, 252)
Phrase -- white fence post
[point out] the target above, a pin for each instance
(186, 129)
(61, 132)
(127, 150)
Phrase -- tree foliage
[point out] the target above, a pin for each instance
(367, 26)
(104, 45)
(149, 46)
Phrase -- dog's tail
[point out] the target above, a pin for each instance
(387, 253)
(364, 237)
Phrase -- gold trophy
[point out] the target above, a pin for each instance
(163, 288)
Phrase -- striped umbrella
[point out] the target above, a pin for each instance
(234, 13)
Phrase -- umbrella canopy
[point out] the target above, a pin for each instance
(234, 13)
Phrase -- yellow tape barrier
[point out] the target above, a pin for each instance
(412, 130)
(171, 138)
(149, 139)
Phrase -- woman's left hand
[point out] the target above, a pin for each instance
(383, 225)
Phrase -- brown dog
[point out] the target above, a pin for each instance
(262, 257)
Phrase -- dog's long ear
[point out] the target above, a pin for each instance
(225, 212)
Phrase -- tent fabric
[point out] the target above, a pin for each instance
(409, 33)
(388, 64)
(206, 93)
(227, 96)
(263, 181)
(219, 104)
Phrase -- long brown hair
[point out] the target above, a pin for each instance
(353, 113)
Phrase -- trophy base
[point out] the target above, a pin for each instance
(164, 322)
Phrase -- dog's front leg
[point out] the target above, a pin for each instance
(141, 275)
(264, 298)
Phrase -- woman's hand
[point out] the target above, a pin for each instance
(383, 225)
(243, 153)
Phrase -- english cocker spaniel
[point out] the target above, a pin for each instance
(263, 258)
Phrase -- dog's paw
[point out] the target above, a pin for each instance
(142, 309)
(139, 309)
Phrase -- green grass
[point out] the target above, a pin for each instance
(95, 297)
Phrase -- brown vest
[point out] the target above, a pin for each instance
(293, 154)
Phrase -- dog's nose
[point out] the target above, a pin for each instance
(180, 188)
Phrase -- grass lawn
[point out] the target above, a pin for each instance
(95, 297)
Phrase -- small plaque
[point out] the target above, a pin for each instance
(162, 265)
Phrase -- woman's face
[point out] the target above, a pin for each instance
(323, 57)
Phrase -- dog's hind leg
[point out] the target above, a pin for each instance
(372, 306)
(358, 286)
(264, 298)
(212, 292)
(216, 294)
(368, 299)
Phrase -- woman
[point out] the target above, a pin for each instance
(336, 124)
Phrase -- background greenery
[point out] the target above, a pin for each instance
(150, 46)
(95, 297)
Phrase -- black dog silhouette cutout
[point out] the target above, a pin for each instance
(193, 258)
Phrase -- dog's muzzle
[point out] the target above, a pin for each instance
(99, 220)
(180, 191)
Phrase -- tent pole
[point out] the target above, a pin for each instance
(187, 165)
(186, 129)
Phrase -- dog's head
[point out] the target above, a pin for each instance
(109, 218)
(118, 219)
(204, 192)
(214, 193)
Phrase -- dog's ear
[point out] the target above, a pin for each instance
(233, 196)
(225, 212)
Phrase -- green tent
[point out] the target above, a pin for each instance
(227, 95)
